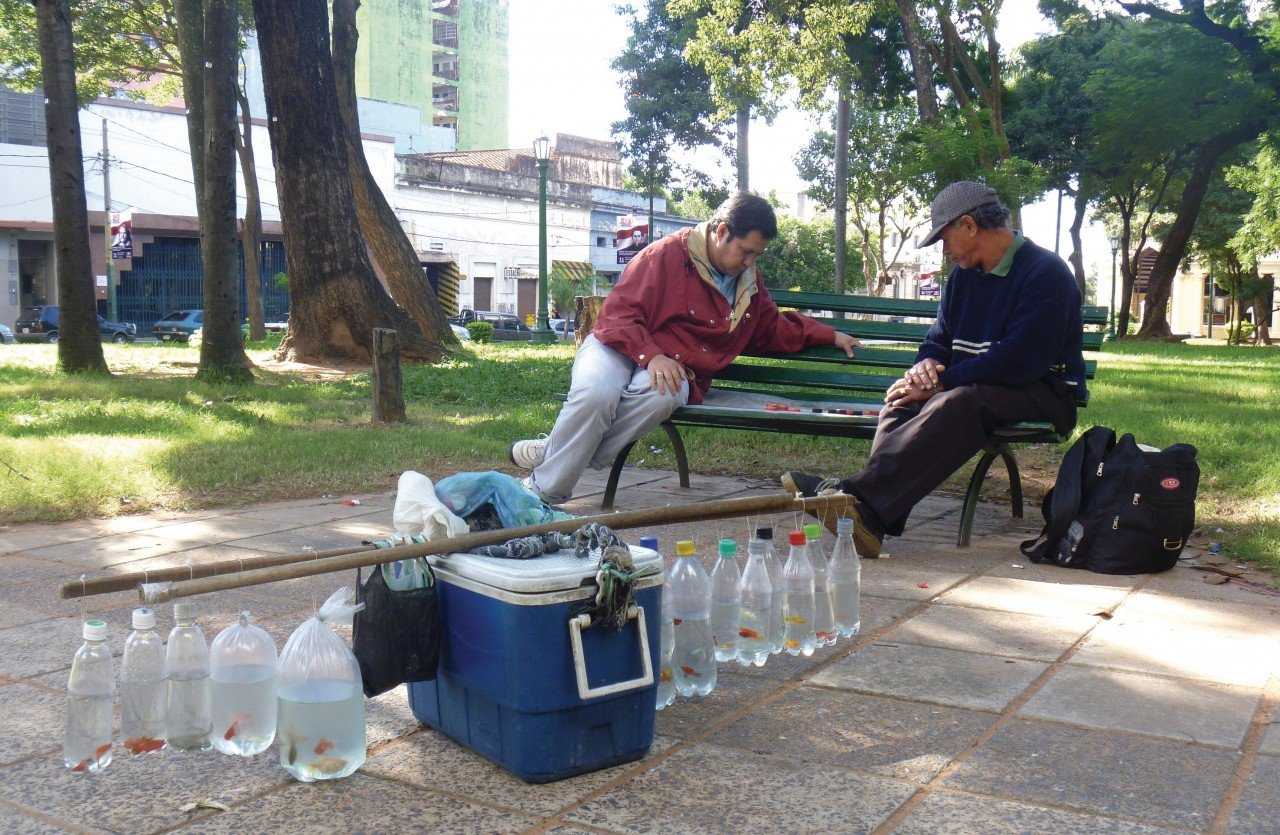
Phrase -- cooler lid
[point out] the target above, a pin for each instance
(550, 572)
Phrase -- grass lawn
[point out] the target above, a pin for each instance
(152, 437)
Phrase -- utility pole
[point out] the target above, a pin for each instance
(106, 225)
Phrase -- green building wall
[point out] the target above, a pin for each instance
(394, 63)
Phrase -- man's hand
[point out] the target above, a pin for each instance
(901, 393)
(846, 343)
(666, 375)
(924, 374)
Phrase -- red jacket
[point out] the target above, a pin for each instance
(663, 305)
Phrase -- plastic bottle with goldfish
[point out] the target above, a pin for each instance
(186, 665)
(799, 637)
(666, 690)
(143, 690)
(756, 595)
(846, 580)
(725, 601)
(774, 567)
(91, 688)
(824, 618)
(693, 661)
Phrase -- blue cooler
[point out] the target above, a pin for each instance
(526, 685)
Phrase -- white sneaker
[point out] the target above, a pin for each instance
(527, 483)
(530, 453)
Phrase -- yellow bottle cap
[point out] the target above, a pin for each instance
(684, 548)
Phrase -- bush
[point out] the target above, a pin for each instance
(480, 331)
(1240, 331)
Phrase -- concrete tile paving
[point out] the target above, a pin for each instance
(1187, 711)
(1153, 781)
(706, 788)
(906, 740)
(965, 698)
(932, 674)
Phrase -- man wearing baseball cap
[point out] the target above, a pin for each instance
(1005, 348)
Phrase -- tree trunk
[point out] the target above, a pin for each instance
(842, 185)
(391, 248)
(1155, 321)
(744, 162)
(222, 356)
(335, 299)
(921, 68)
(189, 30)
(251, 227)
(1077, 244)
(79, 343)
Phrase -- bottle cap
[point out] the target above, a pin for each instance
(844, 526)
(797, 538)
(755, 546)
(95, 630)
(650, 542)
(813, 531)
(765, 532)
(184, 610)
(144, 618)
(684, 548)
(728, 548)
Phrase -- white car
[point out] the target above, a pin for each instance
(6, 335)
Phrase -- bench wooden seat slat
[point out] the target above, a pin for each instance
(827, 376)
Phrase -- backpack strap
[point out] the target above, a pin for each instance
(1063, 501)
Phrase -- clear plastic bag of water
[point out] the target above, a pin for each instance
(320, 721)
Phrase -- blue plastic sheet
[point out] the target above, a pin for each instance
(464, 493)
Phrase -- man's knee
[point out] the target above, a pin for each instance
(594, 397)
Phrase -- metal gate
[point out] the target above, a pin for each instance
(168, 276)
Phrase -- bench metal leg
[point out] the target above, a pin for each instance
(677, 445)
(971, 496)
(1015, 480)
(615, 473)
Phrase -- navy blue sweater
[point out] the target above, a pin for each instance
(1010, 330)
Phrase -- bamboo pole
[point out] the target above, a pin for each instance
(107, 584)
(306, 565)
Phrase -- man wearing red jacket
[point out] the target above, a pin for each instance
(685, 307)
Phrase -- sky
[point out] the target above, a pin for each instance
(562, 82)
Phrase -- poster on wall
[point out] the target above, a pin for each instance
(630, 237)
(928, 287)
(122, 235)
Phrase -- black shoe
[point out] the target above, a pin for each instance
(809, 486)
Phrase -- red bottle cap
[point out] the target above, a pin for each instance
(797, 538)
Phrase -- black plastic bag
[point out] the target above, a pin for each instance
(396, 637)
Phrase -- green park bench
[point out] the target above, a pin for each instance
(828, 377)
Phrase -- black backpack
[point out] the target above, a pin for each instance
(1116, 509)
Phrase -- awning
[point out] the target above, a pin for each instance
(573, 270)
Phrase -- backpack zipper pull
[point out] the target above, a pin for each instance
(1115, 524)
(1100, 466)
(1136, 496)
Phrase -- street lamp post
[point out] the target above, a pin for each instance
(542, 333)
(1115, 248)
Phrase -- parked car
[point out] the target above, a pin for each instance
(40, 324)
(506, 326)
(178, 326)
(6, 335)
(563, 327)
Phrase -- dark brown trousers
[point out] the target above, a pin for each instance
(918, 446)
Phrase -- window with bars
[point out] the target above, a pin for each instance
(22, 117)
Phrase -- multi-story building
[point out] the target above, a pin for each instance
(481, 207)
(449, 58)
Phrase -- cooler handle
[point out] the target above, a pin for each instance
(585, 691)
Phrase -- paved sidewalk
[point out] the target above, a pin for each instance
(984, 695)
